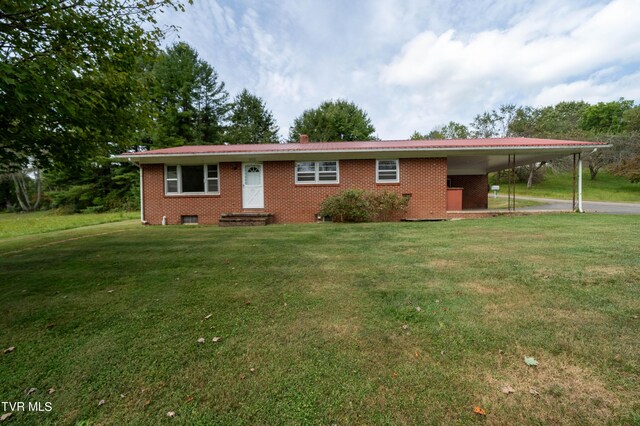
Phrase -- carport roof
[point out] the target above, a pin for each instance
(465, 156)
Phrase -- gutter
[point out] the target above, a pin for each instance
(462, 151)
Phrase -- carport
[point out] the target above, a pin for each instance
(495, 155)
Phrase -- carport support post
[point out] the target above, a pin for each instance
(573, 206)
(509, 177)
(511, 188)
(580, 183)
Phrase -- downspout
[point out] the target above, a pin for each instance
(141, 191)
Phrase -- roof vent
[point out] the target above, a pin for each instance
(304, 138)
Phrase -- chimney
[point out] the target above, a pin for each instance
(304, 138)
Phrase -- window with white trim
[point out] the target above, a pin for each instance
(317, 172)
(192, 180)
(387, 171)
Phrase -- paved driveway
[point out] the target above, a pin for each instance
(588, 206)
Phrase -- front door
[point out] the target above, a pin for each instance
(252, 186)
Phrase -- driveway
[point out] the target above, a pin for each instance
(588, 206)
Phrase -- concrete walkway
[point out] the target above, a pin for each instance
(602, 207)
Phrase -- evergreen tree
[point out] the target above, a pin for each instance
(250, 121)
(192, 105)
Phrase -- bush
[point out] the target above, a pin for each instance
(390, 205)
(356, 205)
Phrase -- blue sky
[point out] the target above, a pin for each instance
(415, 65)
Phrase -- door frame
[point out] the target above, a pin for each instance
(254, 187)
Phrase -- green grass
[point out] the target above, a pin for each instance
(327, 316)
(606, 187)
(18, 224)
(502, 203)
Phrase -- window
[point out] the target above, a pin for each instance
(192, 179)
(172, 179)
(317, 172)
(387, 171)
(213, 182)
(189, 220)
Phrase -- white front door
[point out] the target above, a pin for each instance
(252, 186)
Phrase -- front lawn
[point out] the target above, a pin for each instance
(398, 323)
(18, 224)
(606, 187)
(502, 203)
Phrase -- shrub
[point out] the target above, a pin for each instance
(390, 205)
(75, 198)
(356, 205)
(352, 205)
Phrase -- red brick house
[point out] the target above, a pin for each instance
(199, 184)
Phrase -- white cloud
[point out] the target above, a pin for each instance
(525, 54)
(590, 90)
(413, 65)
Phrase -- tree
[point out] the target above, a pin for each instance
(606, 121)
(436, 134)
(250, 121)
(338, 120)
(416, 136)
(103, 185)
(451, 130)
(525, 122)
(562, 121)
(192, 106)
(69, 81)
(605, 117)
(493, 124)
(28, 190)
(631, 119)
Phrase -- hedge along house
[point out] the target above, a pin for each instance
(286, 183)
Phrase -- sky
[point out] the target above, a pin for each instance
(416, 65)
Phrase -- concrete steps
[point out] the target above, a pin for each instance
(245, 219)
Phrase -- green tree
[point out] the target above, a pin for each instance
(606, 117)
(525, 122)
(416, 136)
(631, 119)
(451, 130)
(70, 85)
(436, 134)
(250, 121)
(192, 105)
(562, 121)
(494, 123)
(338, 120)
(605, 121)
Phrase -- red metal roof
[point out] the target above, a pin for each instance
(368, 145)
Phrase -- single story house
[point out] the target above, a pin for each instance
(287, 183)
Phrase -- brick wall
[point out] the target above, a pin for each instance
(208, 208)
(474, 195)
(424, 179)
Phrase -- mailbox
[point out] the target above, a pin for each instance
(495, 189)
